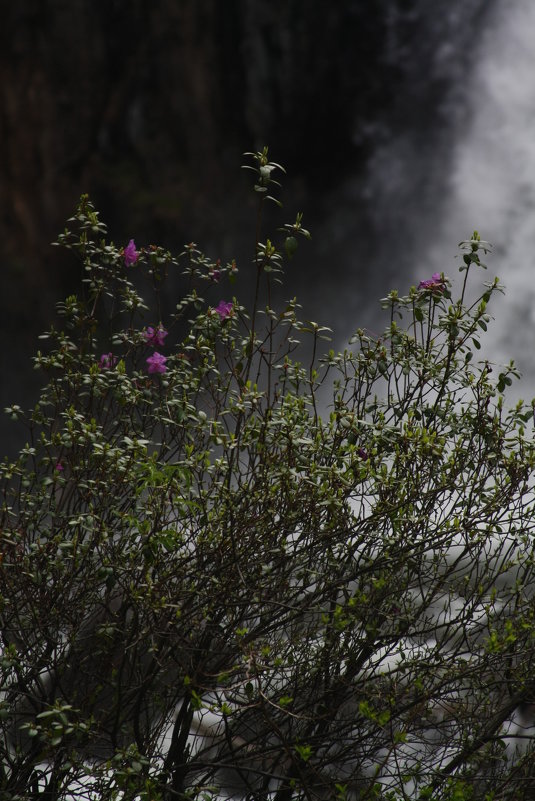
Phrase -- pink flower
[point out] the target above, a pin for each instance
(107, 361)
(131, 255)
(157, 362)
(59, 467)
(155, 336)
(223, 309)
(435, 282)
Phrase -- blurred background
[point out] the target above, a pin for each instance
(403, 125)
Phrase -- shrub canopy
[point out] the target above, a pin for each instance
(235, 567)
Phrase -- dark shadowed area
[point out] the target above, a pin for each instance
(148, 107)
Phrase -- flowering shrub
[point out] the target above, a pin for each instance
(211, 588)
(223, 309)
(155, 336)
(107, 361)
(156, 363)
(131, 255)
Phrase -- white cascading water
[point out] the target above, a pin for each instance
(491, 185)
(478, 174)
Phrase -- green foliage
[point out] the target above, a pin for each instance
(215, 584)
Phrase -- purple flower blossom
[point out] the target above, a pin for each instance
(362, 453)
(435, 282)
(131, 255)
(223, 309)
(59, 467)
(157, 362)
(107, 361)
(155, 336)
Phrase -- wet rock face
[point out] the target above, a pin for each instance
(149, 106)
(152, 103)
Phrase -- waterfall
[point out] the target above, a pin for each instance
(428, 188)
(491, 185)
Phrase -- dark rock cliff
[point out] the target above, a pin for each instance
(148, 105)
